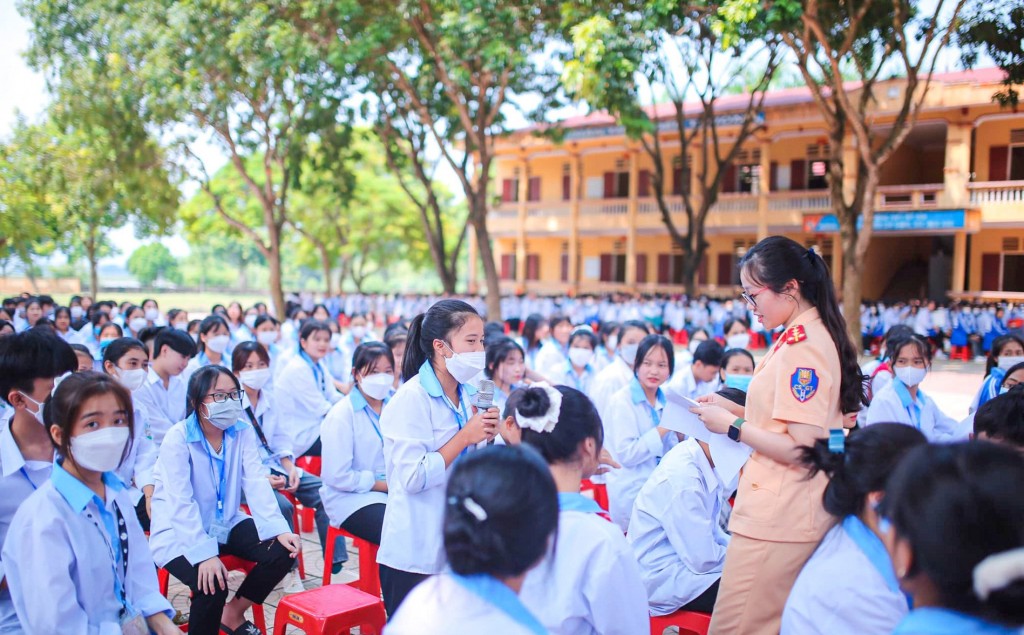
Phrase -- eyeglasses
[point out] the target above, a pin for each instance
(221, 397)
(749, 297)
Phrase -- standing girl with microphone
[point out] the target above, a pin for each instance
(800, 391)
(428, 423)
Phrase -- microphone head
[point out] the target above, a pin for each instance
(484, 395)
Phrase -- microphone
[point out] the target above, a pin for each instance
(484, 397)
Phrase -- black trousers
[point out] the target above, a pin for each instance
(315, 449)
(366, 523)
(140, 512)
(395, 585)
(272, 560)
(705, 602)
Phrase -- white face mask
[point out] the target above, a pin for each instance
(580, 356)
(911, 376)
(1006, 362)
(218, 344)
(152, 314)
(101, 450)
(612, 342)
(465, 366)
(224, 415)
(132, 379)
(250, 321)
(195, 337)
(266, 337)
(181, 326)
(137, 324)
(358, 332)
(38, 414)
(741, 340)
(377, 385)
(77, 312)
(628, 353)
(255, 379)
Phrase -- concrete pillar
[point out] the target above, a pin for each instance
(959, 261)
(575, 180)
(763, 187)
(524, 189)
(631, 216)
(957, 169)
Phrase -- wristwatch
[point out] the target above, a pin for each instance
(734, 429)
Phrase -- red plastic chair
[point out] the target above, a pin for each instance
(369, 574)
(231, 563)
(688, 623)
(309, 464)
(329, 610)
(600, 492)
(295, 523)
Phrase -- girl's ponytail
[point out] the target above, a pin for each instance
(414, 354)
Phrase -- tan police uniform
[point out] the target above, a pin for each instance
(779, 519)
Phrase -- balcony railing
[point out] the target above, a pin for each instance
(996, 192)
(540, 209)
(802, 201)
(613, 207)
(897, 197)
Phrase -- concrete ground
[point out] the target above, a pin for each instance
(952, 384)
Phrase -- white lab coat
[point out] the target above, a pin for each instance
(550, 359)
(353, 458)
(276, 433)
(305, 400)
(632, 437)
(59, 563)
(185, 499)
(137, 468)
(415, 424)
(565, 375)
(610, 380)
(674, 530)
(684, 383)
(893, 404)
(590, 583)
(840, 592)
(442, 606)
(164, 406)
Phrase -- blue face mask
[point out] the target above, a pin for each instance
(740, 382)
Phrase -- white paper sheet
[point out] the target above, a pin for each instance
(728, 455)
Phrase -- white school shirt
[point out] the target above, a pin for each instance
(632, 437)
(201, 361)
(353, 458)
(416, 423)
(610, 380)
(59, 560)
(550, 358)
(842, 590)
(303, 397)
(566, 376)
(277, 436)
(185, 499)
(441, 605)
(674, 530)
(137, 468)
(164, 406)
(589, 582)
(18, 479)
(684, 383)
(893, 404)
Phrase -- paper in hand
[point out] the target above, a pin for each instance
(728, 455)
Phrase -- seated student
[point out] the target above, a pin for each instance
(536, 331)
(633, 426)
(618, 373)
(30, 362)
(1001, 420)
(608, 334)
(84, 356)
(206, 462)
(1006, 351)
(578, 372)
(213, 345)
(1014, 377)
(148, 335)
(675, 530)
(127, 361)
(554, 353)
(354, 485)
(701, 376)
(737, 369)
(737, 333)
(903, 401)
(589, 583)
(848, 585)
(163, 395)
(76, 558)
(506, 367)
(500, 516)
(305, 388)
(957, 539)
(108, 333)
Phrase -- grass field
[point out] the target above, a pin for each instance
(191, 302)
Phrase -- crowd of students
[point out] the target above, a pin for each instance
(132, 439)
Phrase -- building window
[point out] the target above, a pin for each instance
(613, 268)
(1017, 163)
(508, 267)
(510, 191)
(533, 266)
(533, 189)
(748, 176)
(616, 184)
(817, 174)
(1013, 272)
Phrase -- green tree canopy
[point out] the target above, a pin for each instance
(149, 263)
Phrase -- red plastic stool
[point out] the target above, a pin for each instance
(295, 524)
(688, 622)
(309, 464)
(369, 574)
(231, 563)
(600, 492)
(332, 609)
(960, 352)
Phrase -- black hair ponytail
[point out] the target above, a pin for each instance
(869, 456)
(577, 420)
(436, 323)
(775, 261)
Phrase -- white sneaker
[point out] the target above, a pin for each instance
(292, 583)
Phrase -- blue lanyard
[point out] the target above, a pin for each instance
(374, 421)
(111, 534)
(318, 373)
(24, 473)
(461, 416)
(223, 472)
(498, 595)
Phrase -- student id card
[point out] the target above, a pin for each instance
(220, 531)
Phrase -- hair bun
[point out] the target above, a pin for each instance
(534, 403)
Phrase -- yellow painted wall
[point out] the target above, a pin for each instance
(987, 241)
(988, 134)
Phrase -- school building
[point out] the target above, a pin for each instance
(578, 216)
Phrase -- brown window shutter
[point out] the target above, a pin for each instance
(998, 163)
(798, 175)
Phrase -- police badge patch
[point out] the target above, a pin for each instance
(803, 384)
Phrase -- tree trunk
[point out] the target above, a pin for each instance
(94, 278)
(274, 262)
(852, 289)
(478, 212)
(325, 263)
